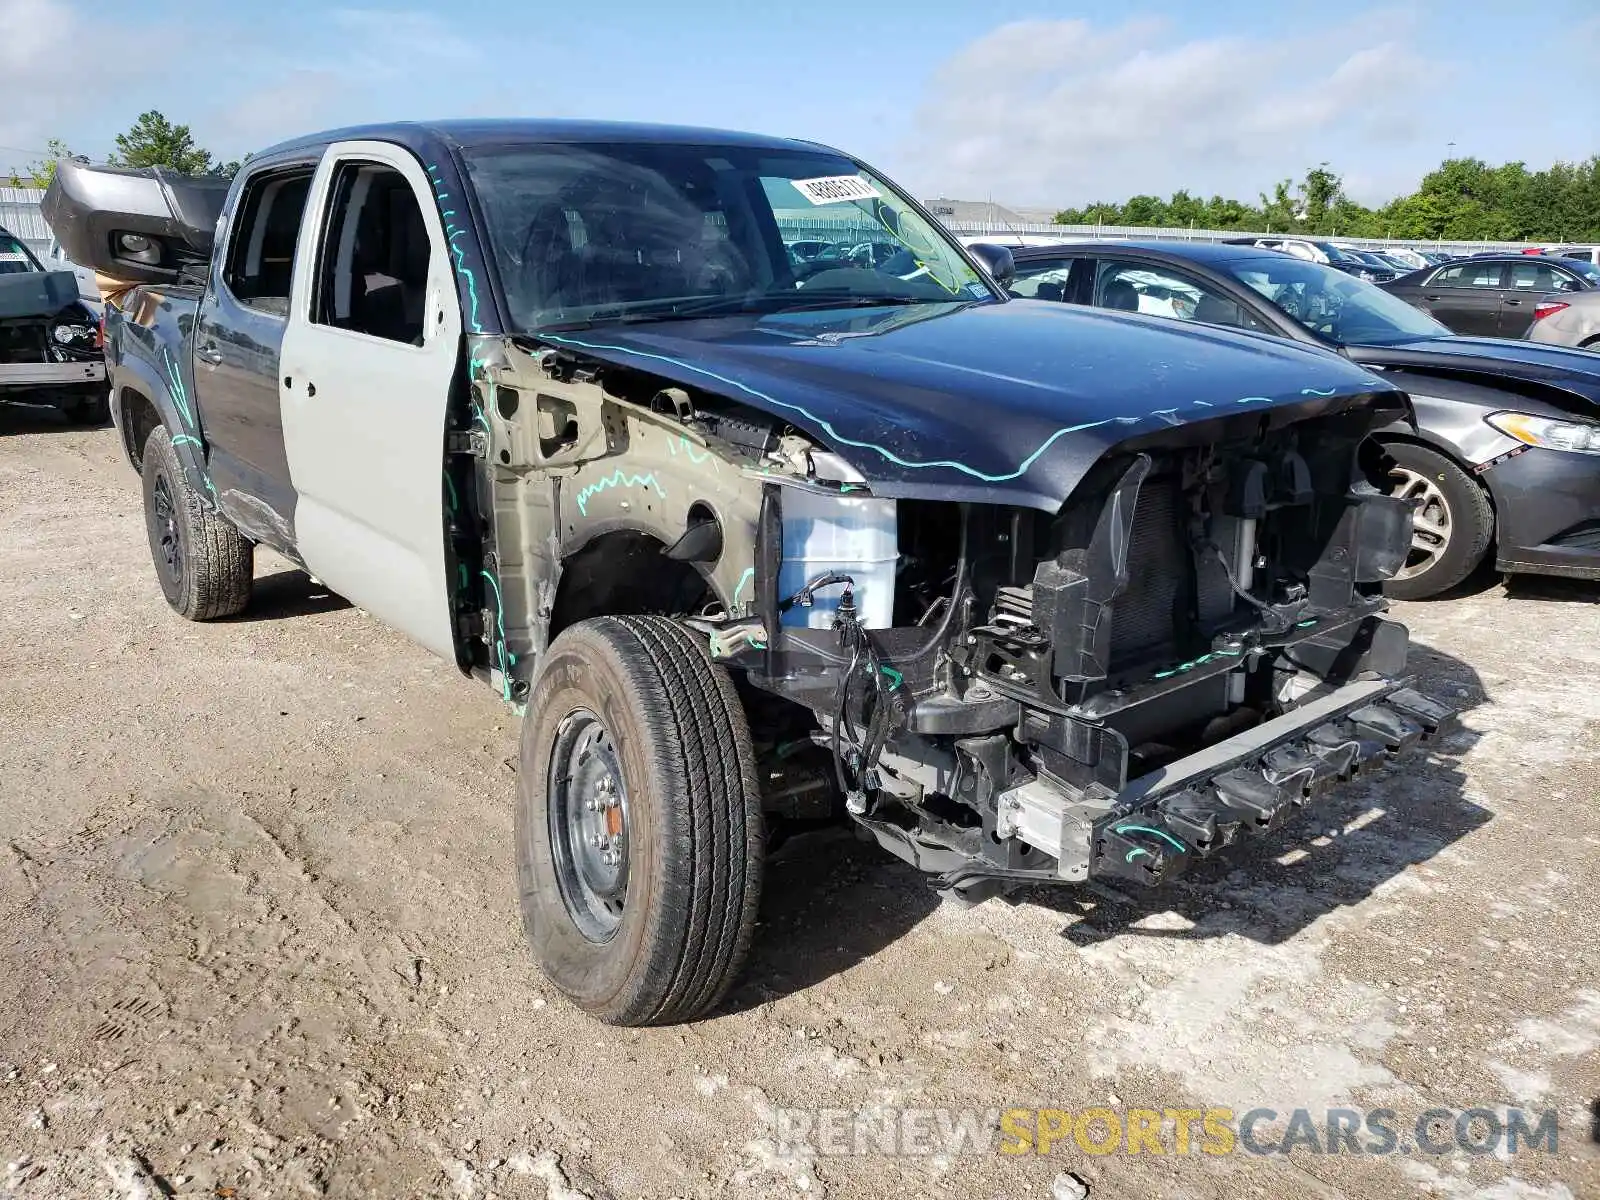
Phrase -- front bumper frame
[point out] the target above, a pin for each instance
(1251, 783)
(51, 374)
(1149, 831)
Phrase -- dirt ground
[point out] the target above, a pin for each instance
(259, 934)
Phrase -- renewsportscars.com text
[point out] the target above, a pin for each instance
(1175, 1131)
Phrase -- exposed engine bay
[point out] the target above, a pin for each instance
(1186, 650)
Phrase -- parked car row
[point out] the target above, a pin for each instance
(1503, 458)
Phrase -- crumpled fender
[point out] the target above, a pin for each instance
(168, 391)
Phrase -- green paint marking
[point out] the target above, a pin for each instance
(744, 580)
(1135, 852)
(1307, 624)
(1160, 833)
(757, 644)
(500, 640)
(696, 456)
(617, 478)
(450, 487)
(893, 676)
(184, 437)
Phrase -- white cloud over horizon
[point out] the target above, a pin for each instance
(1066, 112)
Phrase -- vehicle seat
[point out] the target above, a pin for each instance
(391, 274)
(1048, 291)
(550, 268)
(1121, 295)
(1213, 310)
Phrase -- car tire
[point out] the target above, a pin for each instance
(1455, 506)
(204, 564)
(93, 409)
(630, 715)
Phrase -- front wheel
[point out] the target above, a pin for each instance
(1452, 526)
(639, 830)
(204, 564)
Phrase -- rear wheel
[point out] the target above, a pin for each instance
(1452, 526)
(639, 830)
(204, 564)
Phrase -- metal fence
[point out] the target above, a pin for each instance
(974, 229)
(19, 213)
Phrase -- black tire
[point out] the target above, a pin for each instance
(204, 564)
(92, 409)
(691, 822)
(1470, 523)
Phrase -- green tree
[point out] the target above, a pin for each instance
(40, 174)
(155, 141)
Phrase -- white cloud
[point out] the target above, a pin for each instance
(57, 64)
(1067, 111)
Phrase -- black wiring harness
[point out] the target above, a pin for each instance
(856, 751)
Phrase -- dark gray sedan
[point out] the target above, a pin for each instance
(1493, 295)
(1506, 455)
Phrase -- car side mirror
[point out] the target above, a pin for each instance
(997, 261)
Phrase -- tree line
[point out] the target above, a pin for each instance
(1463, 199)
(152, 141)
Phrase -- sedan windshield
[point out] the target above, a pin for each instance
(1333, 304)
(589, 234)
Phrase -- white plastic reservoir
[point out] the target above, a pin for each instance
(855, 536)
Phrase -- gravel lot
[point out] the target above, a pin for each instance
(260, 936)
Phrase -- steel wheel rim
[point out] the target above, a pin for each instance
(1431, 521)
(168, 544)
(588, 817)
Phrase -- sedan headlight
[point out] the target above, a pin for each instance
(1583, 437)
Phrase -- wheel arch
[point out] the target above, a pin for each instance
(624, 570)
(140, 401)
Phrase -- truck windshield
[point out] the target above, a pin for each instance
(586, 234)
(15, 258)
(1337, 306)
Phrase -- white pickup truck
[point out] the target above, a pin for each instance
(1030, 593)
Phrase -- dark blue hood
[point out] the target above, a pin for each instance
(1491, 360)
(1008, 402)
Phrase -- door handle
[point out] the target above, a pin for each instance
(209, 354)
(1509, 300)
(311, 390)
(1430, 297)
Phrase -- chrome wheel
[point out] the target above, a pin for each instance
(1431, 523)
(589, 825)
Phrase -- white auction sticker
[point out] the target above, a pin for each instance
(834, 188)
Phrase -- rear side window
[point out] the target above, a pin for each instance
(1042, 279)
(1468, 275)
(260, 265)
(1158, 292)
(372, 274)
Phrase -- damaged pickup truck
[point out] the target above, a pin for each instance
(50, 347)
(1030, 593)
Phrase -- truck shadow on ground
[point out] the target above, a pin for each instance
(288, 593)
(18, 418)
(831, 902)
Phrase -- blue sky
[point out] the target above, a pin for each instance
(1028, 103)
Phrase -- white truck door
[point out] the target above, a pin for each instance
(368, 360)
